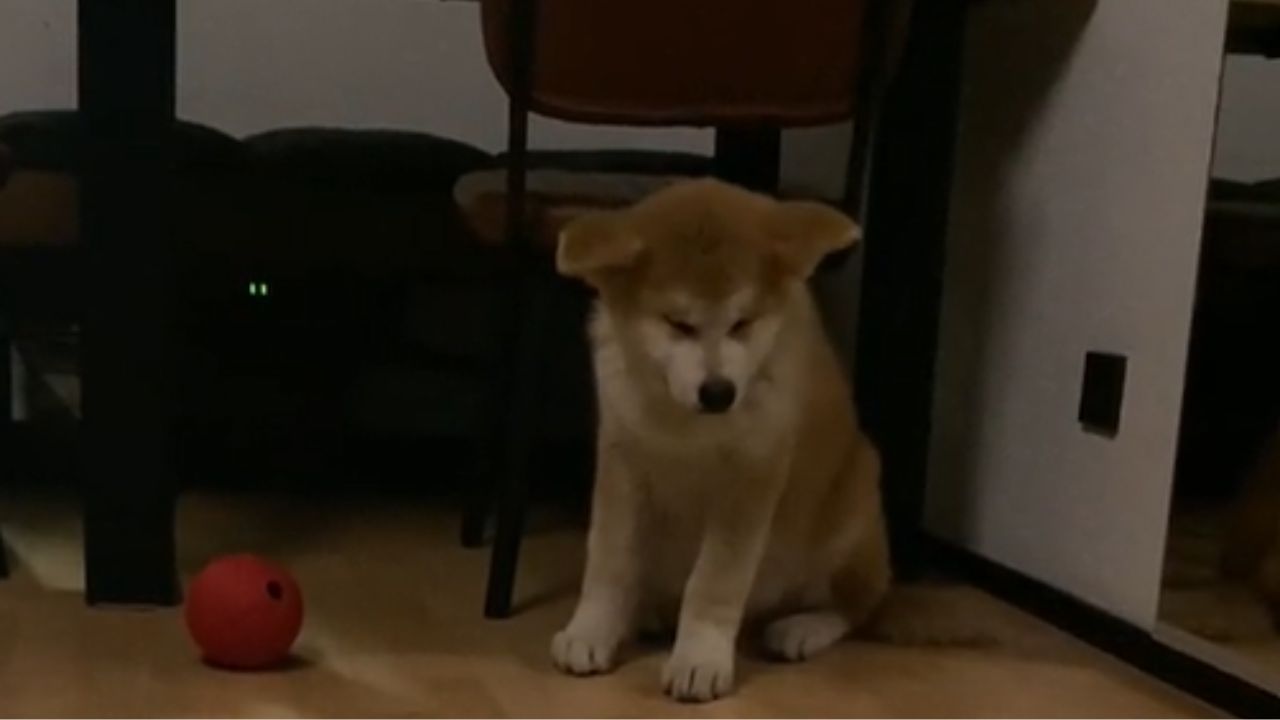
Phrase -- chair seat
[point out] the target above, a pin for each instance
(682, 62)
(560, 185)
(38, 209)
(44, 151)
(39, 272)
(552, 198)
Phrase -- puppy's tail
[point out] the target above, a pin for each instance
(939, 615)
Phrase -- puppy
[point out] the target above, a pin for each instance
(733, 481)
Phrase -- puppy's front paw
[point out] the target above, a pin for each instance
(698, 676)
(583, 653)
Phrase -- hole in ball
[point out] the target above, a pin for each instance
(274, 590)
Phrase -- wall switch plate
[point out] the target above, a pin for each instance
(1102, 393)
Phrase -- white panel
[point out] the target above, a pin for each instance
(1248, 147)
(815, 160)
(1082, 168)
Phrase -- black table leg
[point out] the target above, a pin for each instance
(126, 65)
(910, 192)
(6, 375)
(7, 468)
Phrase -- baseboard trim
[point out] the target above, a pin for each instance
(1108, 633)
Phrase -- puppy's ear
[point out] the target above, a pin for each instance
(594, 243)
(804, 232)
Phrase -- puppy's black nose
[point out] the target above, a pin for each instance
(716, 395)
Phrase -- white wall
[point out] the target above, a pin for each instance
(251, 65)
(37, 54)
(1248, 146)
(1083, 159)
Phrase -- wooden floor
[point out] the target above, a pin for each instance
(394, 629)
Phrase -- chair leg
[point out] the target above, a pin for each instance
(907, 202)
(524, 310)
(477, 506)
(518, 433)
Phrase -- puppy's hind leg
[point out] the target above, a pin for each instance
(858, 588)
(801, 636)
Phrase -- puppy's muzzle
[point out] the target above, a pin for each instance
(716, 395)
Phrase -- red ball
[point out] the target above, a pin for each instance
(244, 612)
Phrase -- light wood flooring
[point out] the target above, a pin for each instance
(394, 629)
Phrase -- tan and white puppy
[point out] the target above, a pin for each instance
(733, 481)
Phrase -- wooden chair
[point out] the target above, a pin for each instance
(37, 226)
(746, 69)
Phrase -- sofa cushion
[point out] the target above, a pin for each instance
(52, 140)
(372, 160)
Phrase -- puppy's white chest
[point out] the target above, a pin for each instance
(682, 489)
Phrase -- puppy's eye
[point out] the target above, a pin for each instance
(741, 327)
(681, 328)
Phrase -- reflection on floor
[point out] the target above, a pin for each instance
(394, 628)
(1196, 598)
(1224, 538)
